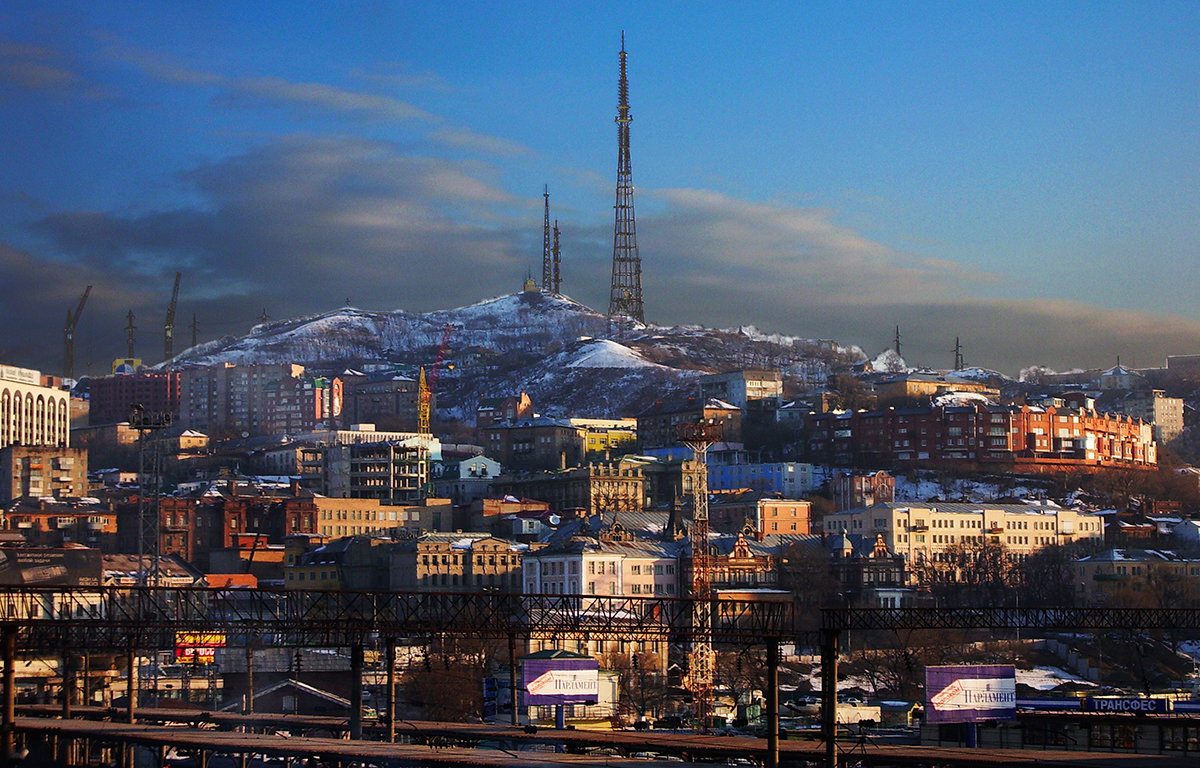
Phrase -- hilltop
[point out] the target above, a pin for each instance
(568, 357)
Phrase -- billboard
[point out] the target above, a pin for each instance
(970, 693)
(560, 681)
(197, 647)
(34, 567)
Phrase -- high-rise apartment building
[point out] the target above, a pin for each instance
(31, 414)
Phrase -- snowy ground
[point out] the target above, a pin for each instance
(1045, 678)
(1038, 678)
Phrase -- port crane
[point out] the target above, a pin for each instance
(169, 326)
(69, 335)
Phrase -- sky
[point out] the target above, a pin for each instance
(1022, 177)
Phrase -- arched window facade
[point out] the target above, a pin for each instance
(33, 416)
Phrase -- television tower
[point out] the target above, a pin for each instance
(547, 258)
(556, 283)
(625, 297)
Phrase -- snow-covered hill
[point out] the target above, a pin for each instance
(571, 359)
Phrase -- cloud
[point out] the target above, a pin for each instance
(274, 91)
(302, 222)
(715, 239)
(40, 71)
(462, 138)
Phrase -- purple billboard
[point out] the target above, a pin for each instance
(970, 693)
(548, 681)
(30, 566)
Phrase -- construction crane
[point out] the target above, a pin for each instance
(169, 326)
(69, 335)
(426, 388)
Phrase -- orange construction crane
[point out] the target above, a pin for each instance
(426, 388)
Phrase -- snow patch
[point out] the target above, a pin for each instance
(608, 354)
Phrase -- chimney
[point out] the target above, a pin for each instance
(295, 486)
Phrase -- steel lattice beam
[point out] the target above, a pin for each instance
(1053, 619)
(117, 617)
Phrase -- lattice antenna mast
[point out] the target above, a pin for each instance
(625, 296)
(959, 364)
(129, 329)
(547, 256)
(556, 255)
(699, 437)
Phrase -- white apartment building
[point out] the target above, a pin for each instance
(31, 414)
(613, 565)
(927, 534)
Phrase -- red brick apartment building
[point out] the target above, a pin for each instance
(1024, 437)
(111, 398)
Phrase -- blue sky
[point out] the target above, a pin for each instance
(1023, 176)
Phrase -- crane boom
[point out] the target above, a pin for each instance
(425, 388)
(169, 326)
(69, 335)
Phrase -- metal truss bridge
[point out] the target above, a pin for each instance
(55, 620)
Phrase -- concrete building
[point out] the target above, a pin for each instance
(457, 562)
(354, 517)
(111, 398)
(739, 388)
(46, 522)
(1028, 438)
(614, 563)
(31, 414)
(500, 410)
(467, 480)
(354, 563)
(387, 398)
(791, 479)
(928, 535)
(1152, 406)
(852, 490)
(596, 488)
(538, 443)
(658, 425)
(920, 387)
(1138, 578)
(42, 470)
(606, 439)
(229, 399)
(394, 471)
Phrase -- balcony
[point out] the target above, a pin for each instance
(1111, 577)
